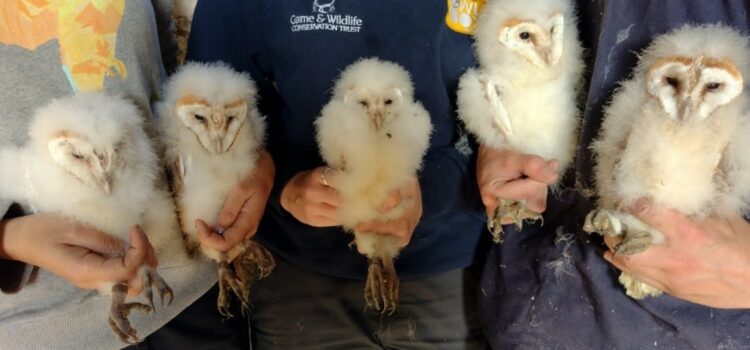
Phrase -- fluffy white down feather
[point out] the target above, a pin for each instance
(29, 176)
(641, 153)
(540, 101)
(372, 164)
(208, 177)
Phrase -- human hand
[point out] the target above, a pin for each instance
(311, 197)
(243, 209)
(402, 228)
(82, 255)
(513, 175)
(705, 262)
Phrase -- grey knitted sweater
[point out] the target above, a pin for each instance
(46, 52)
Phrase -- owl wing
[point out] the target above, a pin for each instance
(177, 172)
(500, 119)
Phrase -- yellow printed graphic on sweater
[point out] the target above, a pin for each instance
(86, 31)
(462, 15)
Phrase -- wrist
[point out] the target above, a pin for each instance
(10, 230)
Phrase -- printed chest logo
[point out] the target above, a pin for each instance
(462, 15)
(326, 17)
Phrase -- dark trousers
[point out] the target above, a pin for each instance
(298, 309)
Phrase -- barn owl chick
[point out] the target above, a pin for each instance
(212, 133)
(675, 134)
(523, 95)
(375, 134)
(89, 159)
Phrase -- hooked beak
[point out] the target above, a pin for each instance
(377, 120)
(105, 183)
(218, 148)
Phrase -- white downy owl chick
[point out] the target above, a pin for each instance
(523, 95)
(676, 133)
(375, 134)
(88, 158)
(213, 134)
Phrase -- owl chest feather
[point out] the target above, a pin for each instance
(674, 166)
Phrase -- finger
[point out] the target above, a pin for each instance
(391, 201)
(245, 226)
(135, 285)
(210, 238)
(522, 189)
(119, 268)
(326, 195)
(236, 199)
(325, 211)
(612, 241)
(393, 228)
(667, 221)
(518, 165)
(322, 221)
(97, 241)
(539, 203)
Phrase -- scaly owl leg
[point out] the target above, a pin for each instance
(227, 281)
(255, 263)
(637, 289)
(382, 285)
(119, 312)
(151, 279)
(256, 254)
(509, 210)
(608, 224)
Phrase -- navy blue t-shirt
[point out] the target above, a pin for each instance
(295, 51)
(543, 289)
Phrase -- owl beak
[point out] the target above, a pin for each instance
(105, 183)
(377, 120)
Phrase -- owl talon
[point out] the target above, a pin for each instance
(258, 255)
(382, 286)
(227, 282)
(637, 289)
(151, 279)
(634, 242)
(509, 210)
(602, 222)
(119, 312)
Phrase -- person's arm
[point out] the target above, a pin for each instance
(705, 262)
(77, 253)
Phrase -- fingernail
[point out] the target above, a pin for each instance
(608, 256)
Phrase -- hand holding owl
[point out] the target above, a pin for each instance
(311, 197)
(704, 261)
(402, 227)
(82, 255)
(503, 173)
(242, 211)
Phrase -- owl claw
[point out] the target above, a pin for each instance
(119, 312)
(382, 286)
(151, 279)
(228, 281)
(634, 242)
(510, 210)
(255, 263)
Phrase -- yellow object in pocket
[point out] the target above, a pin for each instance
(462, 15)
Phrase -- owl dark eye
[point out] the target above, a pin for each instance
(524, 35)
(389, 101)
(363, 103)
(230, 118)
(672, 81)
(713, 86)
(200, 118)
(77, 156)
